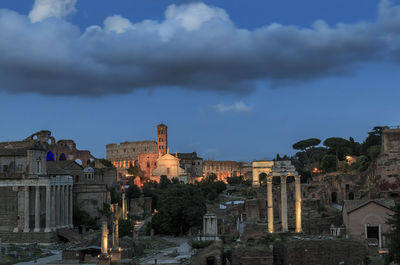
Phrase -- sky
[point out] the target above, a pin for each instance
(233, 80)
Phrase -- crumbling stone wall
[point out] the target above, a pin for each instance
(316, 252)
(252, 255)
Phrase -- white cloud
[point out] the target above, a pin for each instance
(117, 24)
(195, 47)
(43, 9)
(238, 106)
(192, 16)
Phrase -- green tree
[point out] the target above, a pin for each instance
(394, 236)
(133, 192)
(338, 145)
(307, 147)
(373, 138)
(181, 206)
(328, 163)
(373, 152)
(164, 182)
(106, 162)
(135, 171)
(125, 227)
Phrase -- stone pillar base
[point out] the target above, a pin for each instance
(104, 260)
(26, 230)
(15, 230)
(47, 230)
(36, 230)
(116, 255)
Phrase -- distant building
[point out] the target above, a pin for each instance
(222, 169)
(365, 220)
(169, 166)
(141, 153)
(192, 164)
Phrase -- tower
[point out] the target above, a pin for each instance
(162, 139)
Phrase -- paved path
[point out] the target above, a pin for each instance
(183, 248)
(45, 260)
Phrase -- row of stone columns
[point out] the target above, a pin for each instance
(283, 204)
(58, 207)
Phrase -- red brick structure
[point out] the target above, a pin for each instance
(140, 153)
(162, 139)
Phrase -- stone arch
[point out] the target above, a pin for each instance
(262, 177)
(260, 167)
(50, 156)
(211, 260)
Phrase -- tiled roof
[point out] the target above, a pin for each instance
(351, 205)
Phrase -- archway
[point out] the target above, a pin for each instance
(62, 157)
(259, 167)
(50, 156)
(211, 261)
(262, 177)
(334, 197)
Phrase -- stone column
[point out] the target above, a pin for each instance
(26, 209)
(62, 203)
(104, 239)
(66, 209)
(53, 207)
(71, 223)
(270, 205)
(58, 193)
(123, 206)
(116, 233)
(48, 209)
(37, 209)
(298, 204)
(284, 204)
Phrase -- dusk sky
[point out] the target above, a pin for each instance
(232, 79)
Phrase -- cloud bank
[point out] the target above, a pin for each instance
(195, 47)
(238, 106)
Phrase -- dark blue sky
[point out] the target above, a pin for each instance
(353, 92)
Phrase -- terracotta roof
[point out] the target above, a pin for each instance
(188, 156)
(62, 167)
(352, 205)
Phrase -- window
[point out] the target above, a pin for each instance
(19, 167)
(373, 232)
(167, 170)
(38, 166)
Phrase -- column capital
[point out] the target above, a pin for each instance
(269, 178)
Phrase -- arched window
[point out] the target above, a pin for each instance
(62, 157)
(50, 156)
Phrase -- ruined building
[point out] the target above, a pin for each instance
(223, 169)
(37, 203)
(385, 179)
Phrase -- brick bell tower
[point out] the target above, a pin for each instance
(162, 139)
